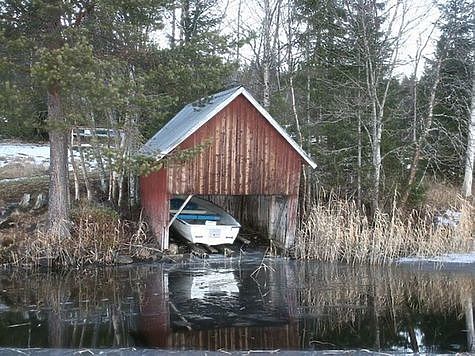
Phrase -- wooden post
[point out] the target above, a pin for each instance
(282, 222)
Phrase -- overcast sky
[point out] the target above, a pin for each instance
(421, 18)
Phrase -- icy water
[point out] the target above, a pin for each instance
(221, 305)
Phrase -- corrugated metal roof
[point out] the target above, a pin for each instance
(196, 114)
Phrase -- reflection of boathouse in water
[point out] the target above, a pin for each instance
(212, 310)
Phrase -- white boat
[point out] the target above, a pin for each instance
(200, 221)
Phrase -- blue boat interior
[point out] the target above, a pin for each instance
(208, 217)
(176, 204)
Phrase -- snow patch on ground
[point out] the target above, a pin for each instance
(450, 258)
(35, 153)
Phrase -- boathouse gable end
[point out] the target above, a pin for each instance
(247, 166)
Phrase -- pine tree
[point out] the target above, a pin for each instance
(453, 97)
(65, 51)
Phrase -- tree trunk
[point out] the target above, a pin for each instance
(266, 94)
(276, 45)
(238, 33)
(359, 161)
(468, 307)
(185, 22)
(96, 149)
(173, 36)
(470, 154)
(83, 168)
(120, 175)
(58, 200)
(75, 168)
(266, 56)
(422, 137)
(376, 157)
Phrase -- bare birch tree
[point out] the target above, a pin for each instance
(265, 45)
(470, 153)
(420, 140)
(378, 71)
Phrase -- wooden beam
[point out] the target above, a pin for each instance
(179, 210)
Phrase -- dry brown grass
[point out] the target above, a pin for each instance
(98, 236)
(443, 195)
(22, 168)
(339, 231)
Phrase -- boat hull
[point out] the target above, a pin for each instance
(207, 224)
(207, 235)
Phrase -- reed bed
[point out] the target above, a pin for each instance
(337, 231)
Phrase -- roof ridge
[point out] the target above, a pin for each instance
(192, 116)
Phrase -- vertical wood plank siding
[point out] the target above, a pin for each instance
(247, 163)
(246, 156)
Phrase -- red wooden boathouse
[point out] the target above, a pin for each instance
(251, 167)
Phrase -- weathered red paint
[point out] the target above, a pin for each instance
(246, 156)
(155, 202)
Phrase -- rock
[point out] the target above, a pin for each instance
(210, 249)
(173, 249)
(40, 201)
(7, 215)
(25, 201)
(4, 221)
(123, 260)
(226, 251)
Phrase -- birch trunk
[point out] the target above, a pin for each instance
(116, 146)
(266, 56)
(83, 168)
(359, 161)
(376, 159)
(422, 137)
(173, 36)
(75, 168)
(238, 33)
(379, 75)
(98, 156)
(120, 175)
(470, 153)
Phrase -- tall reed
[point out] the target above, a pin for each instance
(338, 231)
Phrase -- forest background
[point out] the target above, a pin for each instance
(380, 95)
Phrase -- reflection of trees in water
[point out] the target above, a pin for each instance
(298, 305)
(89, 308)
(382, 307)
